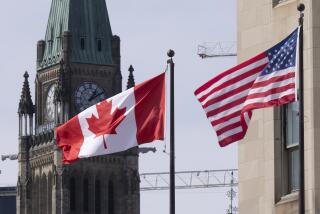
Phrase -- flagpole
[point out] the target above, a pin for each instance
(301, 8)
(172, 153)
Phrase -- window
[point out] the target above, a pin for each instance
(86, 195)
(97, 197)
(99, 45)
(35, 195)
(59, 38)
(49, 193)
(50, 41)
(72, 194)
(82, 43)
(110, 198)
(286, 149)
(292, 145)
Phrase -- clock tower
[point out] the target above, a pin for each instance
(78, 65)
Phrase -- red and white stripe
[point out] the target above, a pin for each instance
(229, 98)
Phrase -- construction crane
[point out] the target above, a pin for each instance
(195, 180)
(217, 49)
(184, 179)
(10, 157)
(190, 179)
(231, 195)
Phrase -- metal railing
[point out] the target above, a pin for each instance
(45, 128)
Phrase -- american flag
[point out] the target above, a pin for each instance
(267, 79)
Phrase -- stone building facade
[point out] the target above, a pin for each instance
(78, 65)
(268, 156)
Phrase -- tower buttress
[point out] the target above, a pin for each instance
(25, 112)
(116, 56)
(66, 46)
(40, 51)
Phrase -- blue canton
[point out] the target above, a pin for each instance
(282, 55)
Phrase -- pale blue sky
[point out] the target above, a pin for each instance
(147, 30)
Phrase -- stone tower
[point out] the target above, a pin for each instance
(78, 65)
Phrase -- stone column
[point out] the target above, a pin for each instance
(57, 181)
(23, 179)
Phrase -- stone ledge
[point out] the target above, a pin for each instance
(288, 198)
(283, 3)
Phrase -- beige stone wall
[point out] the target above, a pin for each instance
(259, 27)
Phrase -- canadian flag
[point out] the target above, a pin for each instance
(126, 120)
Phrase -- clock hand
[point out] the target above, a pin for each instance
(92, 95)
(95, 96)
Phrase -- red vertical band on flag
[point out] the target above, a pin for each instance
(150, 109)
(69, 139)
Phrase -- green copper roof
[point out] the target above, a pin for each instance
(89, 25)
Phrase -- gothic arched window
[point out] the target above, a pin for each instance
(35, 195)
(72, 194)
(99, 45)
(43, 192)
(86, 195)
(50, 41)
(82, 43)
(110, 198)
(49, 193)
(97, 197)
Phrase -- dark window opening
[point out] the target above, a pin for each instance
(86, 195)
(110, 198)
(60, 36)
(50, 41)
(97, 197)
(82, 43)
(49, 193)
(72, 194)
(99, 45)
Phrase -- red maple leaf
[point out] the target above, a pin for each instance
(106, 123)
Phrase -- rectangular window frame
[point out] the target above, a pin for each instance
(283, 151)
(290, 148)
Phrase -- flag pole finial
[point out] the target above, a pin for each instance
(170, 53)
(301, 7)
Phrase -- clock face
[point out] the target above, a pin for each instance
(50, 103)
(88, 94)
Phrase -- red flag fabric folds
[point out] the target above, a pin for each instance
(126, 120)
(268, 79)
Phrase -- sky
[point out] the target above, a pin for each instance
(148, 29)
